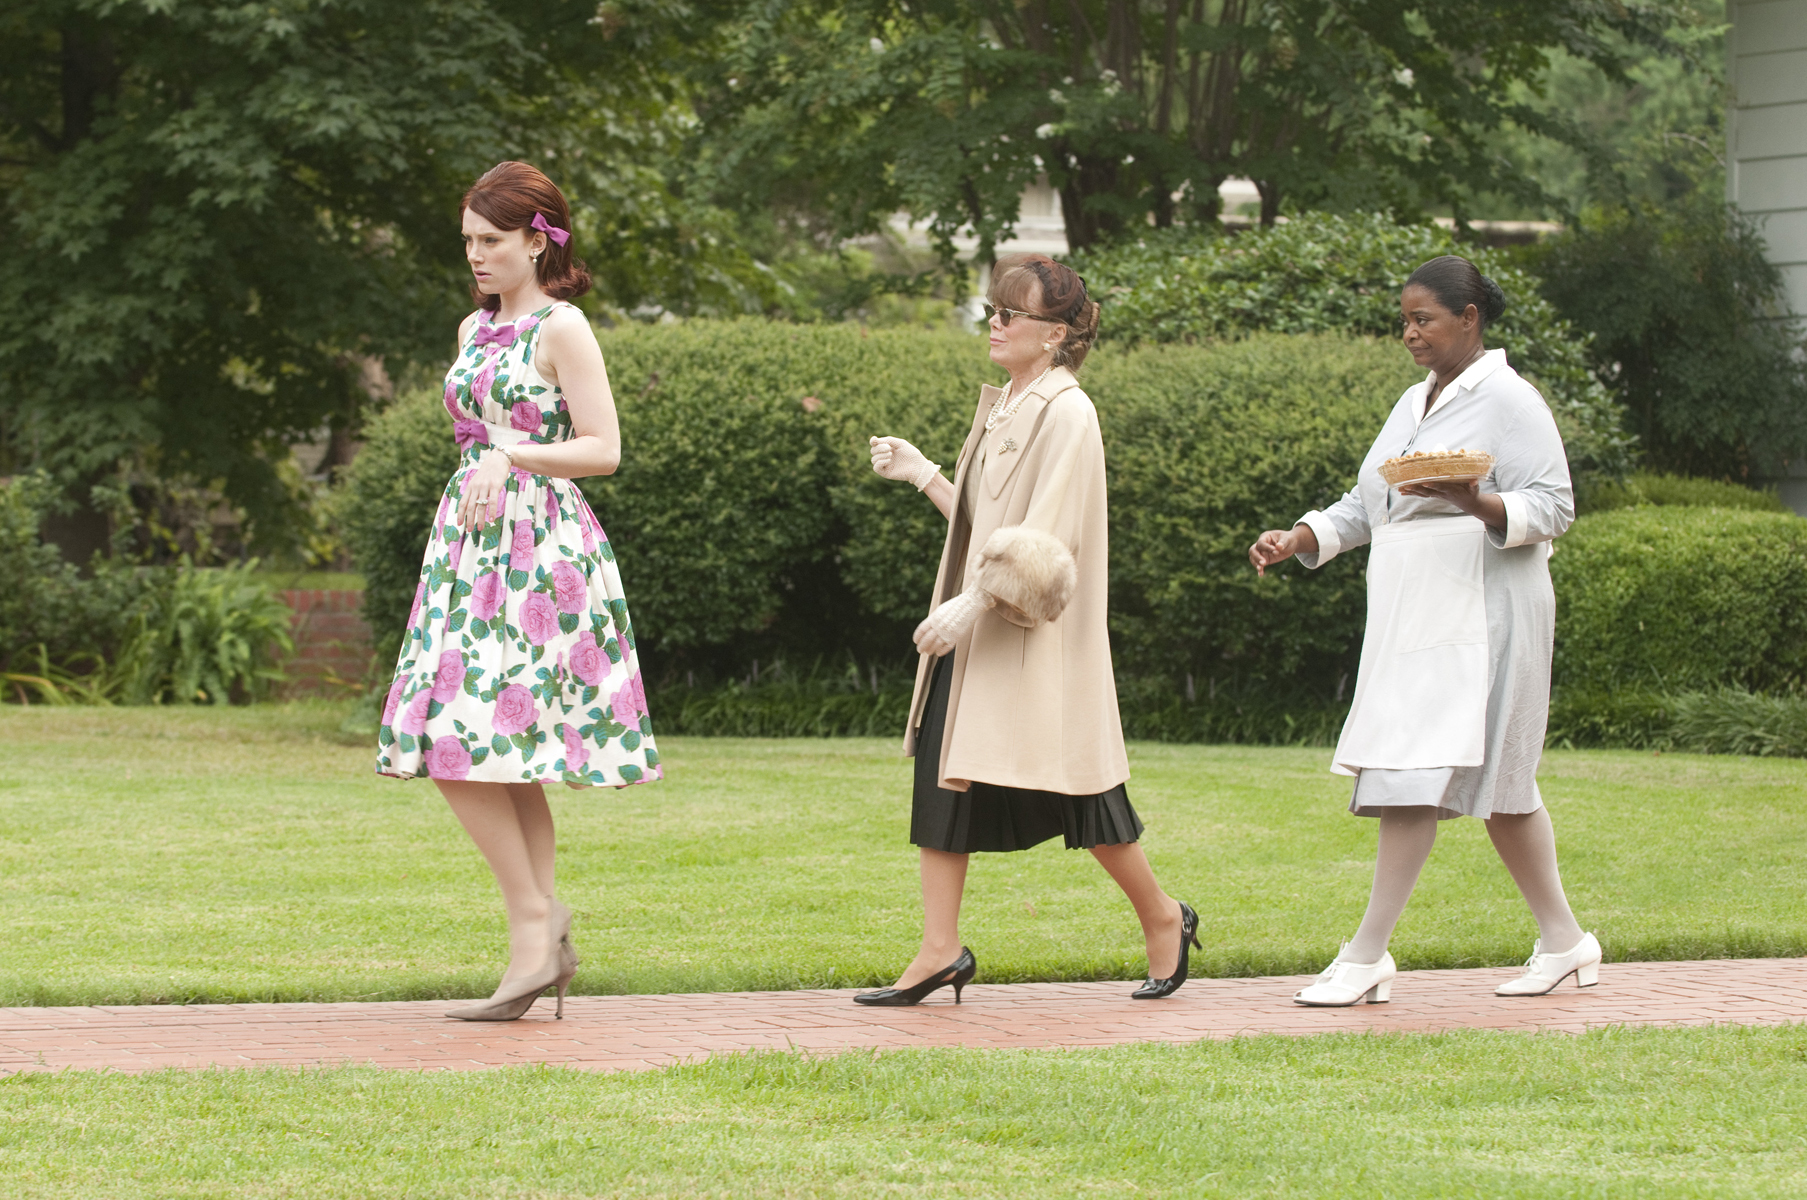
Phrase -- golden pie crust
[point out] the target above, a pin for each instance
(1428, 465)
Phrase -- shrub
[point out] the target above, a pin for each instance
(1729, 721)
(51, 618)
(1681, 599)
(1717, 721)
(1584, 717)
(1647, 487)
(206, 636)
(746, 502)
(145, 635)
(1326, 273)
(743, 462)
(816, 702)
(1680, 302)
(1266, 715)
(386, 507)
(1208, 446)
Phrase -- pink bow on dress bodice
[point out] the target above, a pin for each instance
(502, 337)
(468, 433)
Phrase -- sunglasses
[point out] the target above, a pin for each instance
(1006, 315)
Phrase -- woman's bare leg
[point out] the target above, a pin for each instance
(1158, 912)
(518, 853)
(1406, 837)
(535, 816)
(1526, 843)
(943, 883)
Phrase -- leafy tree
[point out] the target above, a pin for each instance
(1326, 273)
(1653, 136)
(1685, 313)
(853, 109)
(1686, 316)
(218, 216)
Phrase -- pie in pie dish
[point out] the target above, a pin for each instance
(1423, 466)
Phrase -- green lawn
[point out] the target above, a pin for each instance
(250, 854)
(1618, 1113)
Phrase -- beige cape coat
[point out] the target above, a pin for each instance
(1033, 708)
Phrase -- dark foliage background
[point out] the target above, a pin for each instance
(750, 527)
(123, 632)
(1329, 273)
(1685, 317)
(1678, 598)
(223, 220)
(841, 113)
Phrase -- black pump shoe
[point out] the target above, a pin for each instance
(959, 973)
(1155, 989)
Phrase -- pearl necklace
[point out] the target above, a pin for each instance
(1003, 408)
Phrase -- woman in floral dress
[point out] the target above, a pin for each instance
(519, 667)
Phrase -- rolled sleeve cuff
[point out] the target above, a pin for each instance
(1329, 543)
(1518, 520)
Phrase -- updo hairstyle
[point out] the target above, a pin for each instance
(1063, 299)
(1457, 283)
(507, 196)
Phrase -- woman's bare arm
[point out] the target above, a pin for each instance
(569, 358)
(941, 492)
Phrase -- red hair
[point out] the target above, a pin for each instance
(508, 196)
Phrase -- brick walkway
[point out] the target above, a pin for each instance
(637, 1032)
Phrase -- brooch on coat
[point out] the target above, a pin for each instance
(1008, 446)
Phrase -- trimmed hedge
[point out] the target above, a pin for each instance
(1207, 447)
(746, 499)
(749, 524)
(1321, 272)
(386, 506)
(743, 464)
(1647, 487)
(750, 529)
(1678, 599)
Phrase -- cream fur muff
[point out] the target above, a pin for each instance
(1029, 571)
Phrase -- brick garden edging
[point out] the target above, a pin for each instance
(332, 642)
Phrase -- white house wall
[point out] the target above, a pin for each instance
(1766, 130)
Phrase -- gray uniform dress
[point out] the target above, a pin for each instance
(1489, 407)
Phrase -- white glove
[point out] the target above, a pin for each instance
(895, 458)
(950, 621)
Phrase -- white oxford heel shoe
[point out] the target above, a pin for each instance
(1544, 971)
(1343, 983)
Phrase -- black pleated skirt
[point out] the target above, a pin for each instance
(992, 818)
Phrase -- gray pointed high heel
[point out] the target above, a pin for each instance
(559, 970)
(513, 1005)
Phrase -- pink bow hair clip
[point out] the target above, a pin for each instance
(561, 236)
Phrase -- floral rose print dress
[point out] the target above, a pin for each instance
(519, 663)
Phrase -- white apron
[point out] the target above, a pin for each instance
(1421, 692)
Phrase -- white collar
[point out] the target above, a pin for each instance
(1468, 380)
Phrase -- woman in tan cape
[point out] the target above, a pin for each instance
(1014, 723)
